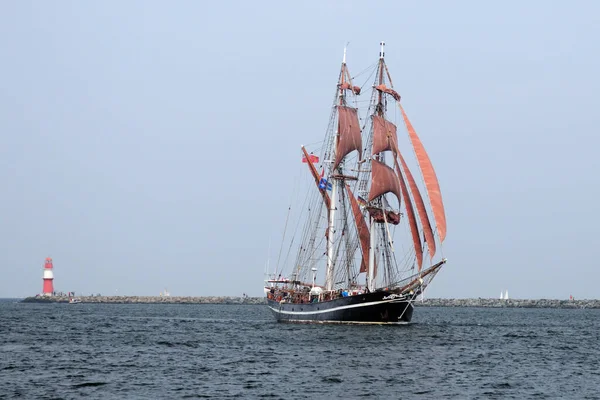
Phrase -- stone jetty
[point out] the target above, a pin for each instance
(509, 303)
(149, 299)
(488, 303)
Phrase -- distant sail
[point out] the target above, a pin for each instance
(349, 136)
(362, 228)
(431, 181)
(421, 210)
(383, 180)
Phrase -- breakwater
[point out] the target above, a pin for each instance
(488, 303)
(509, 303)
(149, 299)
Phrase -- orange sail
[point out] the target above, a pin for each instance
(431, 181)
(427, 231)
(412, 220)
(363, 230)
(349, 137)
(383, 180)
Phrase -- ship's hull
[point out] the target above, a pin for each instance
(381, 307)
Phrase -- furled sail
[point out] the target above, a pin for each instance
(383, 180)
(420, 204)
(431, 181)
(391, 92)
(349, 137)
(384, 135)
(412, 220)
(390, 216)
(348, 86)
(362, 229)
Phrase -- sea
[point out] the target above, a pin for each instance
(171, 351)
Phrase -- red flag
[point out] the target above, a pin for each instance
(313, 159)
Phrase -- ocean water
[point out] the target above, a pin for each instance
(105, 351)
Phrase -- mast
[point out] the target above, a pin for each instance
(373, 241)
(330, 233)
(344, 136)
(334, 188)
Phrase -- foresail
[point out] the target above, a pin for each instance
(431, 182)
(362, 229)
(349, 135)
(420, 204)
(383, 180)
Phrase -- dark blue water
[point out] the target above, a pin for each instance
(220, 351)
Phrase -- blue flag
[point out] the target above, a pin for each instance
(324, 184)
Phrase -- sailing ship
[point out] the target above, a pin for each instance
(363, 196)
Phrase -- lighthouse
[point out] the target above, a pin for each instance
(48, 278)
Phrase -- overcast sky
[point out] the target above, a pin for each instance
(150, 144)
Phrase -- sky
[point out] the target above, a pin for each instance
(151, 144)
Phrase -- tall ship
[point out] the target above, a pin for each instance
(371, 235)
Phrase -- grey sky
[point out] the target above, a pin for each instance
(154, 144)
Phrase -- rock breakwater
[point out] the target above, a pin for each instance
(149, 299)
(509, 303)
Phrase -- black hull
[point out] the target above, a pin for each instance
(371, 308)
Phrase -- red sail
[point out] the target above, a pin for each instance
(349, 137)
(427, 231)
(383, 180)
(362, 228)
(384, 135)
(431, 182)
(412, 220)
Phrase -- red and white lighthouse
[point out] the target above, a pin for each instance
(48, 277)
